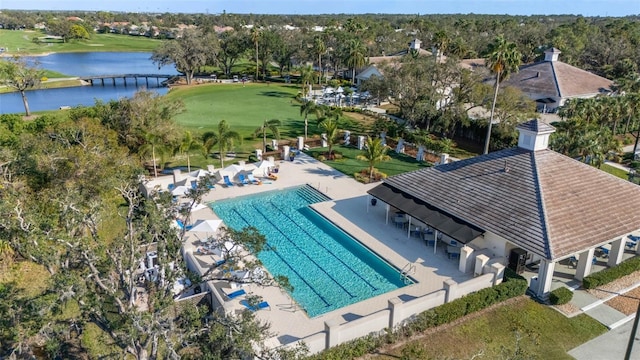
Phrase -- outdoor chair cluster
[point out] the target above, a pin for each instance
(243, 180)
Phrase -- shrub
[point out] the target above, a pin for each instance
(513, 285)
(322, 158)
(560, 296)
(635, 165)
(608, 275)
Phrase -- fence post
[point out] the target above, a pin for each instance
(450, 290)
(481, 261)
(498, 270)
(332, 328)
(466, 258)
(395, 313)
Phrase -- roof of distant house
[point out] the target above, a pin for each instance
(555, 78)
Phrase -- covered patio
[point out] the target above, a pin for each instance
(529, 208)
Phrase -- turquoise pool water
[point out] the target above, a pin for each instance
(328, 268)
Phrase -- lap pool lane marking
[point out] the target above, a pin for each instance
(324, 247)
(326, 303)
(305, 254)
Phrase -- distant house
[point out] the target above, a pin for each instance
(551, 82)
(373, 67)
(221, 29)
(530, 201)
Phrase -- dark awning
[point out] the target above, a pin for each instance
(418, 209)
(546, 100)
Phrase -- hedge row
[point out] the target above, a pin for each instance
(514, 285)
(608, 275)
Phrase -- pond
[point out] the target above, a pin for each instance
(88, 64)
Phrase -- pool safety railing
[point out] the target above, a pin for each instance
(408, 269)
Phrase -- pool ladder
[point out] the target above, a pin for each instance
(410, 268)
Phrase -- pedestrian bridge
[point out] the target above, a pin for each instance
(101, 78)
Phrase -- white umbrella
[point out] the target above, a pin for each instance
(198, 173)
(232, 170)
(180, 190)
(263, 166)
(206, 226)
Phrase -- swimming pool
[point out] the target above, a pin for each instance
(328, 268)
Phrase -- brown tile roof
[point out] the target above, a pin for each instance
(545, 202)
(557, 79)
(536, 125)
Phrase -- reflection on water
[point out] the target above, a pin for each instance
(55, 98)
(86, 64)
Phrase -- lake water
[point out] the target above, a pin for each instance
(86, 64)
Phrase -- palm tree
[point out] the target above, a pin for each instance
(355, 56)
(187, 145)
(320, 48)
(255, 37)
(330, 127)
(271, 125)
(154, 146)
(373, 153)
(223, 138)
(305, 109)
(306, 78)
(502, 59)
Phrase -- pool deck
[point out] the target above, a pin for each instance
(349, 209)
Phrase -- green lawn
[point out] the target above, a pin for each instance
(20, 42)
(349, 165)
(615, 171)
(244, 107)
(543, 332)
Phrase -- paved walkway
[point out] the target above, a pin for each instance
(612, 344)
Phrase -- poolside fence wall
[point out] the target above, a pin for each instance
(338, 331)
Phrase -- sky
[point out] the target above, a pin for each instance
(511, 7)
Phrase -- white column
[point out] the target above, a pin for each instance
(585, 259)
(360, 142)
(466, 258)
(259, 154)
(285, 152)
(274, 144)
(300, 142)
(481, 261)
(498, 270)
(324, 140)
(435, 240)
(615, 254)
(444, 158)
(545, 276)
(386, 217)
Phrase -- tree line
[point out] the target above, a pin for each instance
(603, 45)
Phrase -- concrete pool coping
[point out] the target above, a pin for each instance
(350, 210)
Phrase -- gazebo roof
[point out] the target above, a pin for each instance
(542, 201)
